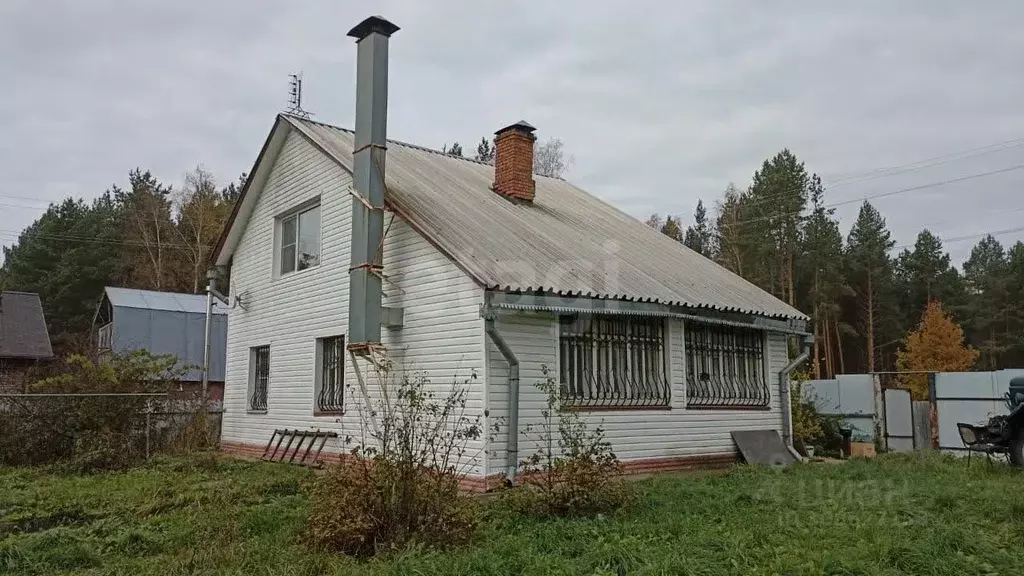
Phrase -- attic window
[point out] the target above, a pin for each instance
(725, 367)
(299, 240)
(613, 361)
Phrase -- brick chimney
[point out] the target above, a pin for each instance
(513, 161)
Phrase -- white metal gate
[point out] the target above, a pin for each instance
(899, 423)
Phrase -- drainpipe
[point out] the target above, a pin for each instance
(211, 288)
(787, 410)
(512, 449)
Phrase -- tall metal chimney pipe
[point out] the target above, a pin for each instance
(368, 155)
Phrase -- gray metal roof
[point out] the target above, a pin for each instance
(23, 327)
(152, 300)
(566, 242)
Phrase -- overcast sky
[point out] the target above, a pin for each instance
(660, 103)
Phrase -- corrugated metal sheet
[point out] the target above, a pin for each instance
(152, 300)
(566, 242)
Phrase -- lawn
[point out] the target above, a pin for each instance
(893, 515)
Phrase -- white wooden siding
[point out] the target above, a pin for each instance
(442, 332)
(634, 435)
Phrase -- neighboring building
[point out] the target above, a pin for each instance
(164, 323)
(666, 348)
(24, 340)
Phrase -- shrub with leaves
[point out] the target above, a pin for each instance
(574, 471)
(399, 484)
(810, 426)
(73, 424)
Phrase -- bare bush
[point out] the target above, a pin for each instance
(91, 416)
(399, 484)
(574, 472)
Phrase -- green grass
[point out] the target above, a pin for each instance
(893, 515)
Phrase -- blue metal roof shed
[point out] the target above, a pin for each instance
(163, 323)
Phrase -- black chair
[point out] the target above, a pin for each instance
(980, 439)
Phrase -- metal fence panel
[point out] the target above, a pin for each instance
(899, 431)
(848, 396)
(971, 397)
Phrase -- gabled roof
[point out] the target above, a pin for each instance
(23, 327)
(153, 300)
(566, 242)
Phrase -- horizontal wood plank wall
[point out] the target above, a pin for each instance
(442, 334)
(645, 440)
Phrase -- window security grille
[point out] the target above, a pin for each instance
(260, 378)
(331, 387)
(725, 367)
(613, 361)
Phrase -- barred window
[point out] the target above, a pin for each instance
(259, 377)
(329, 391)
(725, 367)
(613, 361)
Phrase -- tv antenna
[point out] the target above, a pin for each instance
(295, 96)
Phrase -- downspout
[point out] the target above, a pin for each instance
(211, 287)
(787, 411)
(512, 448)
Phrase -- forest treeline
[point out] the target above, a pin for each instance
(864, 297)
(147, 235)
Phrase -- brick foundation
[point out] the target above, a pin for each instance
(481, 484)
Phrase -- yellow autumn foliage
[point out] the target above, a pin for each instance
(936, 345)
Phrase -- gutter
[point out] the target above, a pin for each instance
(512, 448)
(784, 395)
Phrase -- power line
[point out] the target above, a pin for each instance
(91, 239)
(891, 193)
(953, 239)
(898, 169)
(927, 162)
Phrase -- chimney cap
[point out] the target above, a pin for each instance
(521, 126)
(377, 24)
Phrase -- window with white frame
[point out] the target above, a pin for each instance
(299, 240)
(329, 389)
(259, 377)
(613, 361)
(725, 367)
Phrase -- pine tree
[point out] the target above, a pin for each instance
(484, 151)
(987, 275)
(1014, 355)
(730, 238)
(774, 212)
(869, 268)
(923, 275)
(669, 226)
(699, 236)
(67, 256)
(454, 150)
(937, 345)
(822, 281)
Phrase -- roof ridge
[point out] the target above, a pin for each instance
(406, 144)
(22, 292)
(154, 291)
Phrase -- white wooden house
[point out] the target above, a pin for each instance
(488, 268)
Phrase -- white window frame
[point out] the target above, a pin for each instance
(337, 407)
(252, 380)
(280, 242)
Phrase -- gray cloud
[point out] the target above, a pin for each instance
(660, 104)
